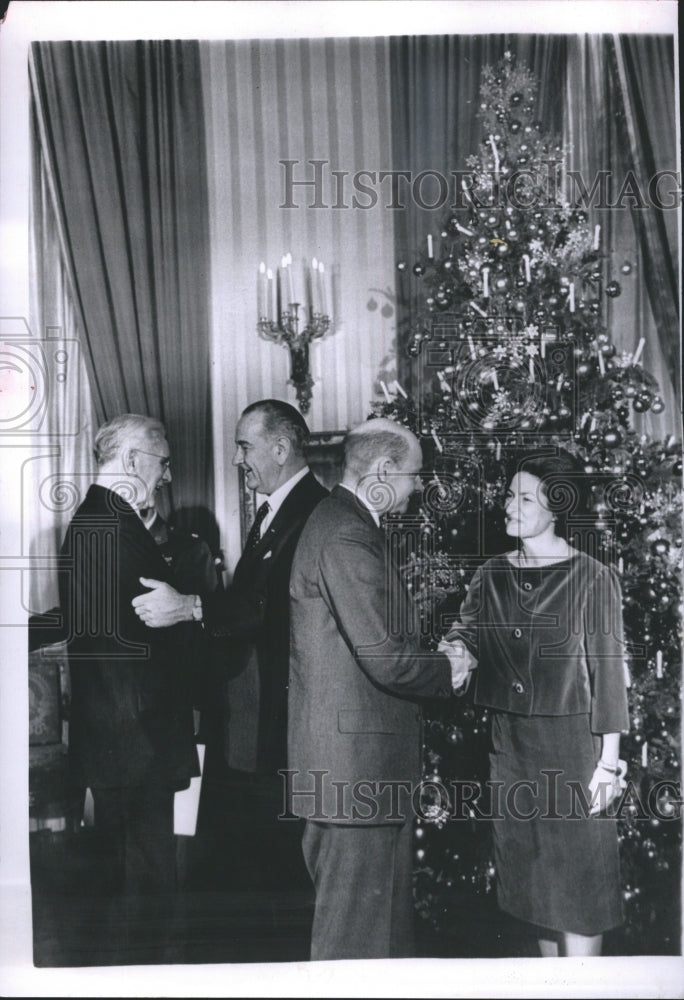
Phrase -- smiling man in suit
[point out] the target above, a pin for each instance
(251, 619)
(357, 677)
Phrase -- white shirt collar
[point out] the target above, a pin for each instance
(373, 513)
(277, 498)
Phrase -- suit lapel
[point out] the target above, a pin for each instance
(286, 517)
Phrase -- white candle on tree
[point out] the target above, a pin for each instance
(638, 352)
(429, 245)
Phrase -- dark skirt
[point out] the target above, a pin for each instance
(557, 869)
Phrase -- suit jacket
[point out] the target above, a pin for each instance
(356, 670)
(548, 640)
(131, 712)
(253, 612)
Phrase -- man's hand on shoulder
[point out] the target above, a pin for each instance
(162, 606)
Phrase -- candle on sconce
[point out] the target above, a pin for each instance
(287, 284)
(526, 262)
(659, 663)
(571, 296)
(485, 282)
(269, 294)
(262, 289)
(638, 352)
(322, 299)
(429, 245)
(313, 288)
(597, 237)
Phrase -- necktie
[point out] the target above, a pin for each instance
(255, 531)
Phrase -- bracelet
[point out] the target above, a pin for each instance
(606, 767)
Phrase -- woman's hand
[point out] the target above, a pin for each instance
(605, 785)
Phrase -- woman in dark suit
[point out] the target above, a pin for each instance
(543, 625)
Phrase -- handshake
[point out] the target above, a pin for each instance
(462, 663)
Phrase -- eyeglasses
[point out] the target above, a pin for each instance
(164, 459)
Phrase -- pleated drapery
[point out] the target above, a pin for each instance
(120, 126)
(297, 100)
(620, 120)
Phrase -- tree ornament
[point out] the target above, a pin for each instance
(612, 438)
(515, 126)
(626, 267)
(641, 401)
(418, 269)
(613, 289)
(516, 98)
(657, 405)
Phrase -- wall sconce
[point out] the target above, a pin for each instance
(280, 321)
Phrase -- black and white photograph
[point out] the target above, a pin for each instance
(341, 489)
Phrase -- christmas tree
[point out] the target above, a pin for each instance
(511, 352)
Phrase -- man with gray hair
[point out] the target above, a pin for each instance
(131, 737)
(357, 675)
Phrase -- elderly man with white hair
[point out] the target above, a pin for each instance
(131, 737)
(357, 676)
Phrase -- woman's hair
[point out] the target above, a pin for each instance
(563, 480)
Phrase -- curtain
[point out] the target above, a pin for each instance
(297, 100)
(61, 464)
(435, 87)
(620, 118)
(120, 128)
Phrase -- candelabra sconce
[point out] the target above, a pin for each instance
(287, 328)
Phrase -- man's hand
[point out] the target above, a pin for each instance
(461, 659)
(162, 606)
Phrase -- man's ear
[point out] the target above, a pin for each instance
(384, 467)
(282, 449)
(128, 460)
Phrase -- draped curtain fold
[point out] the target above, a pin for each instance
(120, 128)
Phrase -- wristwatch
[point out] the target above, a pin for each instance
(197, 609)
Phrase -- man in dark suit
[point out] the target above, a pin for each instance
(356, 677)
(251, 618)
(131, 727)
